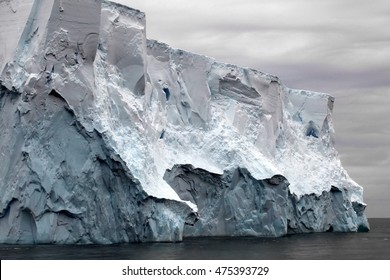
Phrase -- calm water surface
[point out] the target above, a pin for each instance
(371, 245)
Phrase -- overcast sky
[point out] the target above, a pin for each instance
(341, 47)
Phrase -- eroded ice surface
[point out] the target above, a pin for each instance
(109, 137)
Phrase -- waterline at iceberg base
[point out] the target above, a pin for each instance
(109, 137)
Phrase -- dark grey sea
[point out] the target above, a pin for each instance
(326, 246)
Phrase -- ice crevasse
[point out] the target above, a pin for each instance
(109, 137)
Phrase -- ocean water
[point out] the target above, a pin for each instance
(326, 246)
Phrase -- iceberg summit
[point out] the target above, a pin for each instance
(109, 137)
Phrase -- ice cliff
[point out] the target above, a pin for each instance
(109, 137)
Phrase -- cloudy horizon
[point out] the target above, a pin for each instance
(338, 47)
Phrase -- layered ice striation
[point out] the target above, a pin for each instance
(109, 137)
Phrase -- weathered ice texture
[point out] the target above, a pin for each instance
(330, 211)
(234, 203)
(109, 137)
(63, 184)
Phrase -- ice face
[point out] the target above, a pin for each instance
(100, 126)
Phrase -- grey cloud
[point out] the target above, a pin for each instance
(361, 119)
(330, 79)
(351, 33)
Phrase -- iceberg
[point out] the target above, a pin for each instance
(110, 137)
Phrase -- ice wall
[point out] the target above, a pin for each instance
(109, 137)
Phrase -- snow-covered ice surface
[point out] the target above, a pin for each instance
(109, 137)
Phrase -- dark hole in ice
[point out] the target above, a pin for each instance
(167, 93)
(335, 189)
(162, 134)
(57, 95)
(49, 75)
(67, 213)
(330, 229)
(363, 228)
(312, 130)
